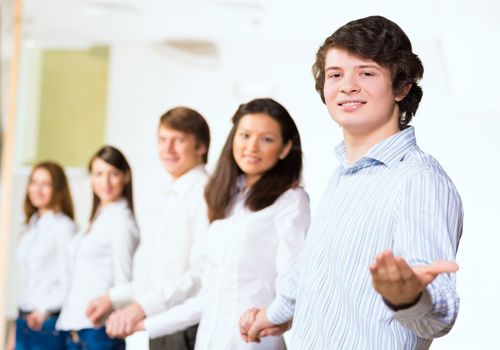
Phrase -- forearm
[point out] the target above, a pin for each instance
(435, 313)
(174, 320)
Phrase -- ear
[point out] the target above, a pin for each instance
(286, 150)
(404, 91)
(201, 149)
(127, 177)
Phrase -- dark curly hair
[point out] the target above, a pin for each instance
(384, 42)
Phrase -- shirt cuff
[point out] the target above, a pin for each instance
(153, 302)
(417, 311)
(281, 310)
(155, 327)
(121, 295)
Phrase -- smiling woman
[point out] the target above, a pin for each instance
(101, 256)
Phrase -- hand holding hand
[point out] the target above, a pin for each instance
(254, 325)
(401, 284)
(98, 309)
(125, 322)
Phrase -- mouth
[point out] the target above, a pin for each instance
(350, 103)
(251, 159)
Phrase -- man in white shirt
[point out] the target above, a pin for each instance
(174, 253)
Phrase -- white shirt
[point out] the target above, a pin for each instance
(175, 251)
(42, 253)
(250, 256)
(99, 258)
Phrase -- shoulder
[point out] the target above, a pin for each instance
(422, 169)
(293, 196)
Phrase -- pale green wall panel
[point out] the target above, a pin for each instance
(72, 109)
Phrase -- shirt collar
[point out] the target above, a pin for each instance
(183, 184)
(388, 151)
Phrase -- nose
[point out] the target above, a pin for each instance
(253, 144)
(349, 85)
(170, 146)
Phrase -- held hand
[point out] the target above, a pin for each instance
(401, 284)
(262, 327)
(36, 319)
(123, 323)
(98, 309)
(246, 322)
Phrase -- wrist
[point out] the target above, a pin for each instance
(401, 306)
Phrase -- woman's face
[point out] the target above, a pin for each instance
(40, 189)
(258, 145)
(107, 181)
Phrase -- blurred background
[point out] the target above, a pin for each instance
(76, 74)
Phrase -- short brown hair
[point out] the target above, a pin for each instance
(384, 42)
(61, 195)
(189, 121)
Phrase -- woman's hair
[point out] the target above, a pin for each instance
(285, 174)
(114, 157)
(188, 121)
(61, 196)
(378, 39)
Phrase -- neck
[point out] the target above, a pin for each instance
(43, 211)
(358, 144)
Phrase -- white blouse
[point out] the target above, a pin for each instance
(250, 255)
(42, 253)
(99, 259)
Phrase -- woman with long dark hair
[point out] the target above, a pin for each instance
(49, 225)
(101, 256)
(259, 215)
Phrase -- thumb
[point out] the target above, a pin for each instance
(428, 273)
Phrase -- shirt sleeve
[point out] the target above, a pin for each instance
(125, 239)
(292, 223)
(175, 292)
(429, 229)
(176, 319)
(61, 235)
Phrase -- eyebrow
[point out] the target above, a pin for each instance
(361, 66)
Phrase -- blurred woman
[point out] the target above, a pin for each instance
(259, 216)
(101, 257)
(41, 252)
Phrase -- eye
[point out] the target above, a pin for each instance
(367, 74)
(244, 135)
(268, 139)
(334, 76)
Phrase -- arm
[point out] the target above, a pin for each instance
(124, 243)
(168, 322)
(60, 235)
(423, 297)
(175, 292)
(291, 225)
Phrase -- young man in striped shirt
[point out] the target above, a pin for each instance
(377, 268)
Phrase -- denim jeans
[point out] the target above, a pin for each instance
(92, 339)
(47, 338)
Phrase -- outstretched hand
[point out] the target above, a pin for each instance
(401, 284)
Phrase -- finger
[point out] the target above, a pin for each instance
(392, 268)
(444, 266)
(270, 331)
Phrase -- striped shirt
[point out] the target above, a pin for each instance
(395, 197)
